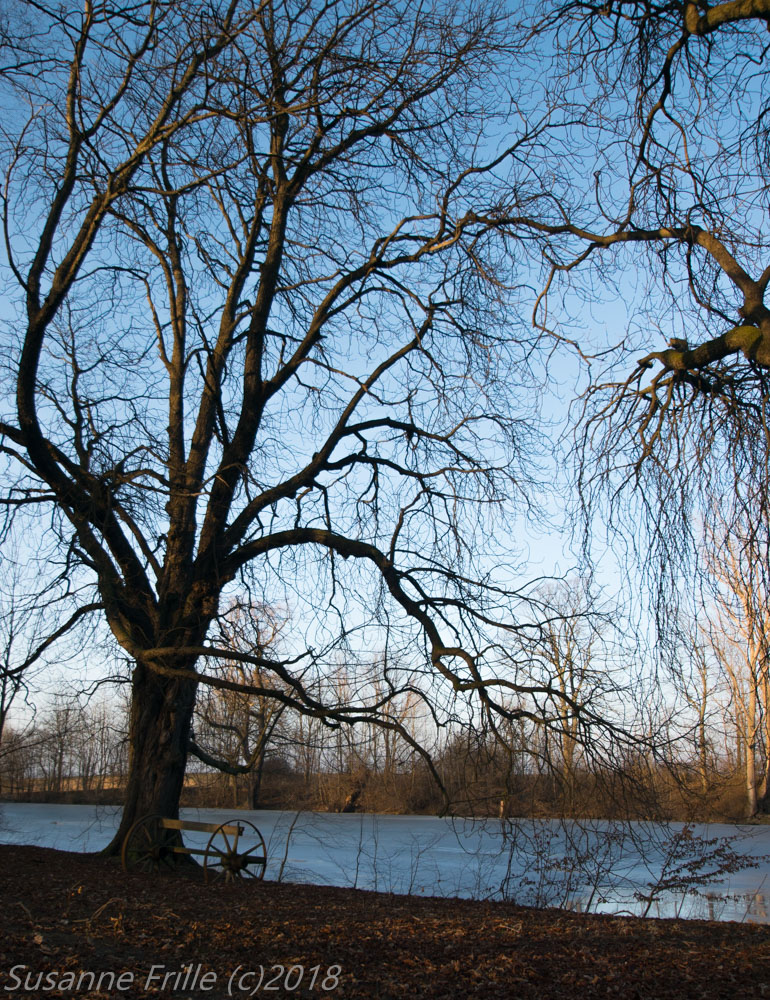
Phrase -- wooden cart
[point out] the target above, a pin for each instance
(235, 850)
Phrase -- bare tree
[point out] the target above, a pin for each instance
(672, 100)
(234, 729)
(697, 686)
(263, 336)
(740, 633)
(673, 109)
(688, 184)
(570, 649)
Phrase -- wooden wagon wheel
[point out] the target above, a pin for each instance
(149, 846)
(235, 850)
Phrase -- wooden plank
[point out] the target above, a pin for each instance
(194, 827)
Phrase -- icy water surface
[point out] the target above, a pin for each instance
(717, 872)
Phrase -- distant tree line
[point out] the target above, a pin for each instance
(77, 751)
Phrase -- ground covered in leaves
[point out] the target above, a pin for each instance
(71, 920)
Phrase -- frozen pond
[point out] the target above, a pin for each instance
(717, 872)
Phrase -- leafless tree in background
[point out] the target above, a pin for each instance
(234, 729)
(740, 638)
(574, 651)
(673, 104)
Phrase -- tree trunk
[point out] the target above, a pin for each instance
(255, 781)
(751, 736)
(161, 717)
(763, 803)
(751, 783)
(702, 738)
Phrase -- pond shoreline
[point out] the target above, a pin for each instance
(74, 913)
(715, 872)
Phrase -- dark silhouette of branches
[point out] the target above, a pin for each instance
(264, 341)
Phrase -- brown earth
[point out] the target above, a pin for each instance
(69, 914)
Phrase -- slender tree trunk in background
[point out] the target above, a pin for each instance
(161, 717)
(762, 799)
(751, 782)
(567, 774)
(702, 739)
(255, 781)
(5, 701)
(752, 730)
(59, 771)
(704, 774)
